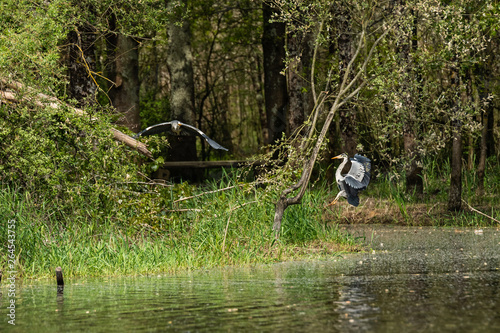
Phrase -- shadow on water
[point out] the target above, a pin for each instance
(410, 280)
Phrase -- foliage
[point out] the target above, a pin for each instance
(31, 35)
(80, 199)
(61, 156)
(151, 229)
(415, 75)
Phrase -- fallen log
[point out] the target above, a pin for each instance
(9, 93)
(131, 142)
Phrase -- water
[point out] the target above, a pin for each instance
(411, 280)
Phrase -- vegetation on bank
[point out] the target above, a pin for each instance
(139, 234)
(142, 229)
(408, 84)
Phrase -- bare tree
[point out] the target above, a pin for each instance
(352, 81)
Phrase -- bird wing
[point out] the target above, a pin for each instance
(363, 160)
(155, 129)
(350, 193)
(358, 176)
(211, 142)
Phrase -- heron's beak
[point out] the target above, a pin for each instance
(338, 156)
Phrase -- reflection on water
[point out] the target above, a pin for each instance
(411, 280)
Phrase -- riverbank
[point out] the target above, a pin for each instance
(205, 228)
(387, 211)
(145, 229)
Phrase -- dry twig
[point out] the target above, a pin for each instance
(481, 213)
(209, 192)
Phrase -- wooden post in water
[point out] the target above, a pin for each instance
(60, 280)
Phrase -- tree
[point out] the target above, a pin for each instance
(299, 49)
(275, 92)
(180, 65)
(455, 192)
(81, 64)
(347, 122)
(412, 95)
(350, 84)
(124, 93)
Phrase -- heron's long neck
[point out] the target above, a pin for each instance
(338, 173)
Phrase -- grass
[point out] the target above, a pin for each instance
(385, 200)
(142, 229)
(229, 227)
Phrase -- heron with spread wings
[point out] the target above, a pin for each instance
(354, 181)
(178, 128)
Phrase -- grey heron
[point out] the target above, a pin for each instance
(354, 181)
(178, 128)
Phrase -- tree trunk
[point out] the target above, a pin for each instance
(125, 92)
(347, 114)
(80, 60)
(299, 90)
(342, 137)
(455, 194)
(413, 94)
(481, 167)
(275, 92)
(180, 64)
(483, 118)
(414, 181)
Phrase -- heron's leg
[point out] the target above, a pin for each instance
(335, 200)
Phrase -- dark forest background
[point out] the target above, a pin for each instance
(249, 73)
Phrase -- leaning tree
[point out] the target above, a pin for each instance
(373, 22)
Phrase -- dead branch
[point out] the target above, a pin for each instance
(479, 212)
(9, 92)
(131, 142)
(209, 192)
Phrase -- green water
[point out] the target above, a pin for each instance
(410, 280)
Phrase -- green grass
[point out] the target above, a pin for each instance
(389, 190)
(227, 227)
(139, 229)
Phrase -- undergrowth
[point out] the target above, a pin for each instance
(154, 229)
(388, 194)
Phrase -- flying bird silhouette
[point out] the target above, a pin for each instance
(178, 128)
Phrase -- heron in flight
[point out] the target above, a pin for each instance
(178, 128)
(354, 181)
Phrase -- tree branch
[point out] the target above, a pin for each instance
(9, 92)
(479, 212)
(284, 201)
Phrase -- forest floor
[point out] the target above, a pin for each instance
(383, 211)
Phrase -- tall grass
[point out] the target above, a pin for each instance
(217, 228)
(141, 229)
(390, 188)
